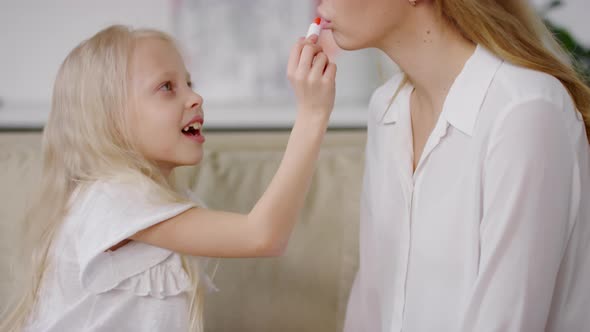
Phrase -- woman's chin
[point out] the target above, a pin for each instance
(346, 44)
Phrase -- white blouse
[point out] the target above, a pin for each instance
(491, 232)
(138, 287)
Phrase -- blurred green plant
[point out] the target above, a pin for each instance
(580, 54)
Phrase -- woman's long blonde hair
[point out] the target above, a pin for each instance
(87, 138)
(512, 30)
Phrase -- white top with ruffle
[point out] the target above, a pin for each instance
(87, 287)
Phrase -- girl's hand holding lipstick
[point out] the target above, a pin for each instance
(313, 77)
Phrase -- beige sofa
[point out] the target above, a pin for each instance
(305, 290)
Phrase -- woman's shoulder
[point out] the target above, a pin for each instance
(516, 89)
(533, 101)
(515, 84)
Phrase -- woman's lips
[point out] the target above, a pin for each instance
(326, 24)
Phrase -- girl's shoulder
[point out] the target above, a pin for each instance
(106, 213)
(113, 200)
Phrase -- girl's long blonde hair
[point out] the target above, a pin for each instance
(86, 138)
(512, 30)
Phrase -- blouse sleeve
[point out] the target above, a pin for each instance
(530, 197)
(111, 213)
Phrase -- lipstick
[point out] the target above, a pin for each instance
(314, 28)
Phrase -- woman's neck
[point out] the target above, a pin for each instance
(431, 52)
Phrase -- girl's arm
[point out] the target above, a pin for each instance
(266, 229)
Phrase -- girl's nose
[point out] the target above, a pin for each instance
(195, 101)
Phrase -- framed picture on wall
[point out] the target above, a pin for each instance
(237, 53)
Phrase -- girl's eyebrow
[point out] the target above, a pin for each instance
(165, 74)
(172, 73)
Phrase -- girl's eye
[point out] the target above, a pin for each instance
(190, 84)
(166, 86)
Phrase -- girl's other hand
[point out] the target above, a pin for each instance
(312, 76)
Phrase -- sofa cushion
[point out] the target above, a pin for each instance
(306, 289)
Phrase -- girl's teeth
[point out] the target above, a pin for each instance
(195, 126)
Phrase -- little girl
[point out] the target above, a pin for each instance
(108, 228)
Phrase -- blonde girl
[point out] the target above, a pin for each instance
(108, 228)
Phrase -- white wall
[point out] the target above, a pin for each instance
(36, 35)
(574, 15)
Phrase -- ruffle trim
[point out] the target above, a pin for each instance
(165, 279)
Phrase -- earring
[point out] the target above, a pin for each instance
(413, 3)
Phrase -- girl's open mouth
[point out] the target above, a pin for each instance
(193, 131)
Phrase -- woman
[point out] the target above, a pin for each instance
(475, 205)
